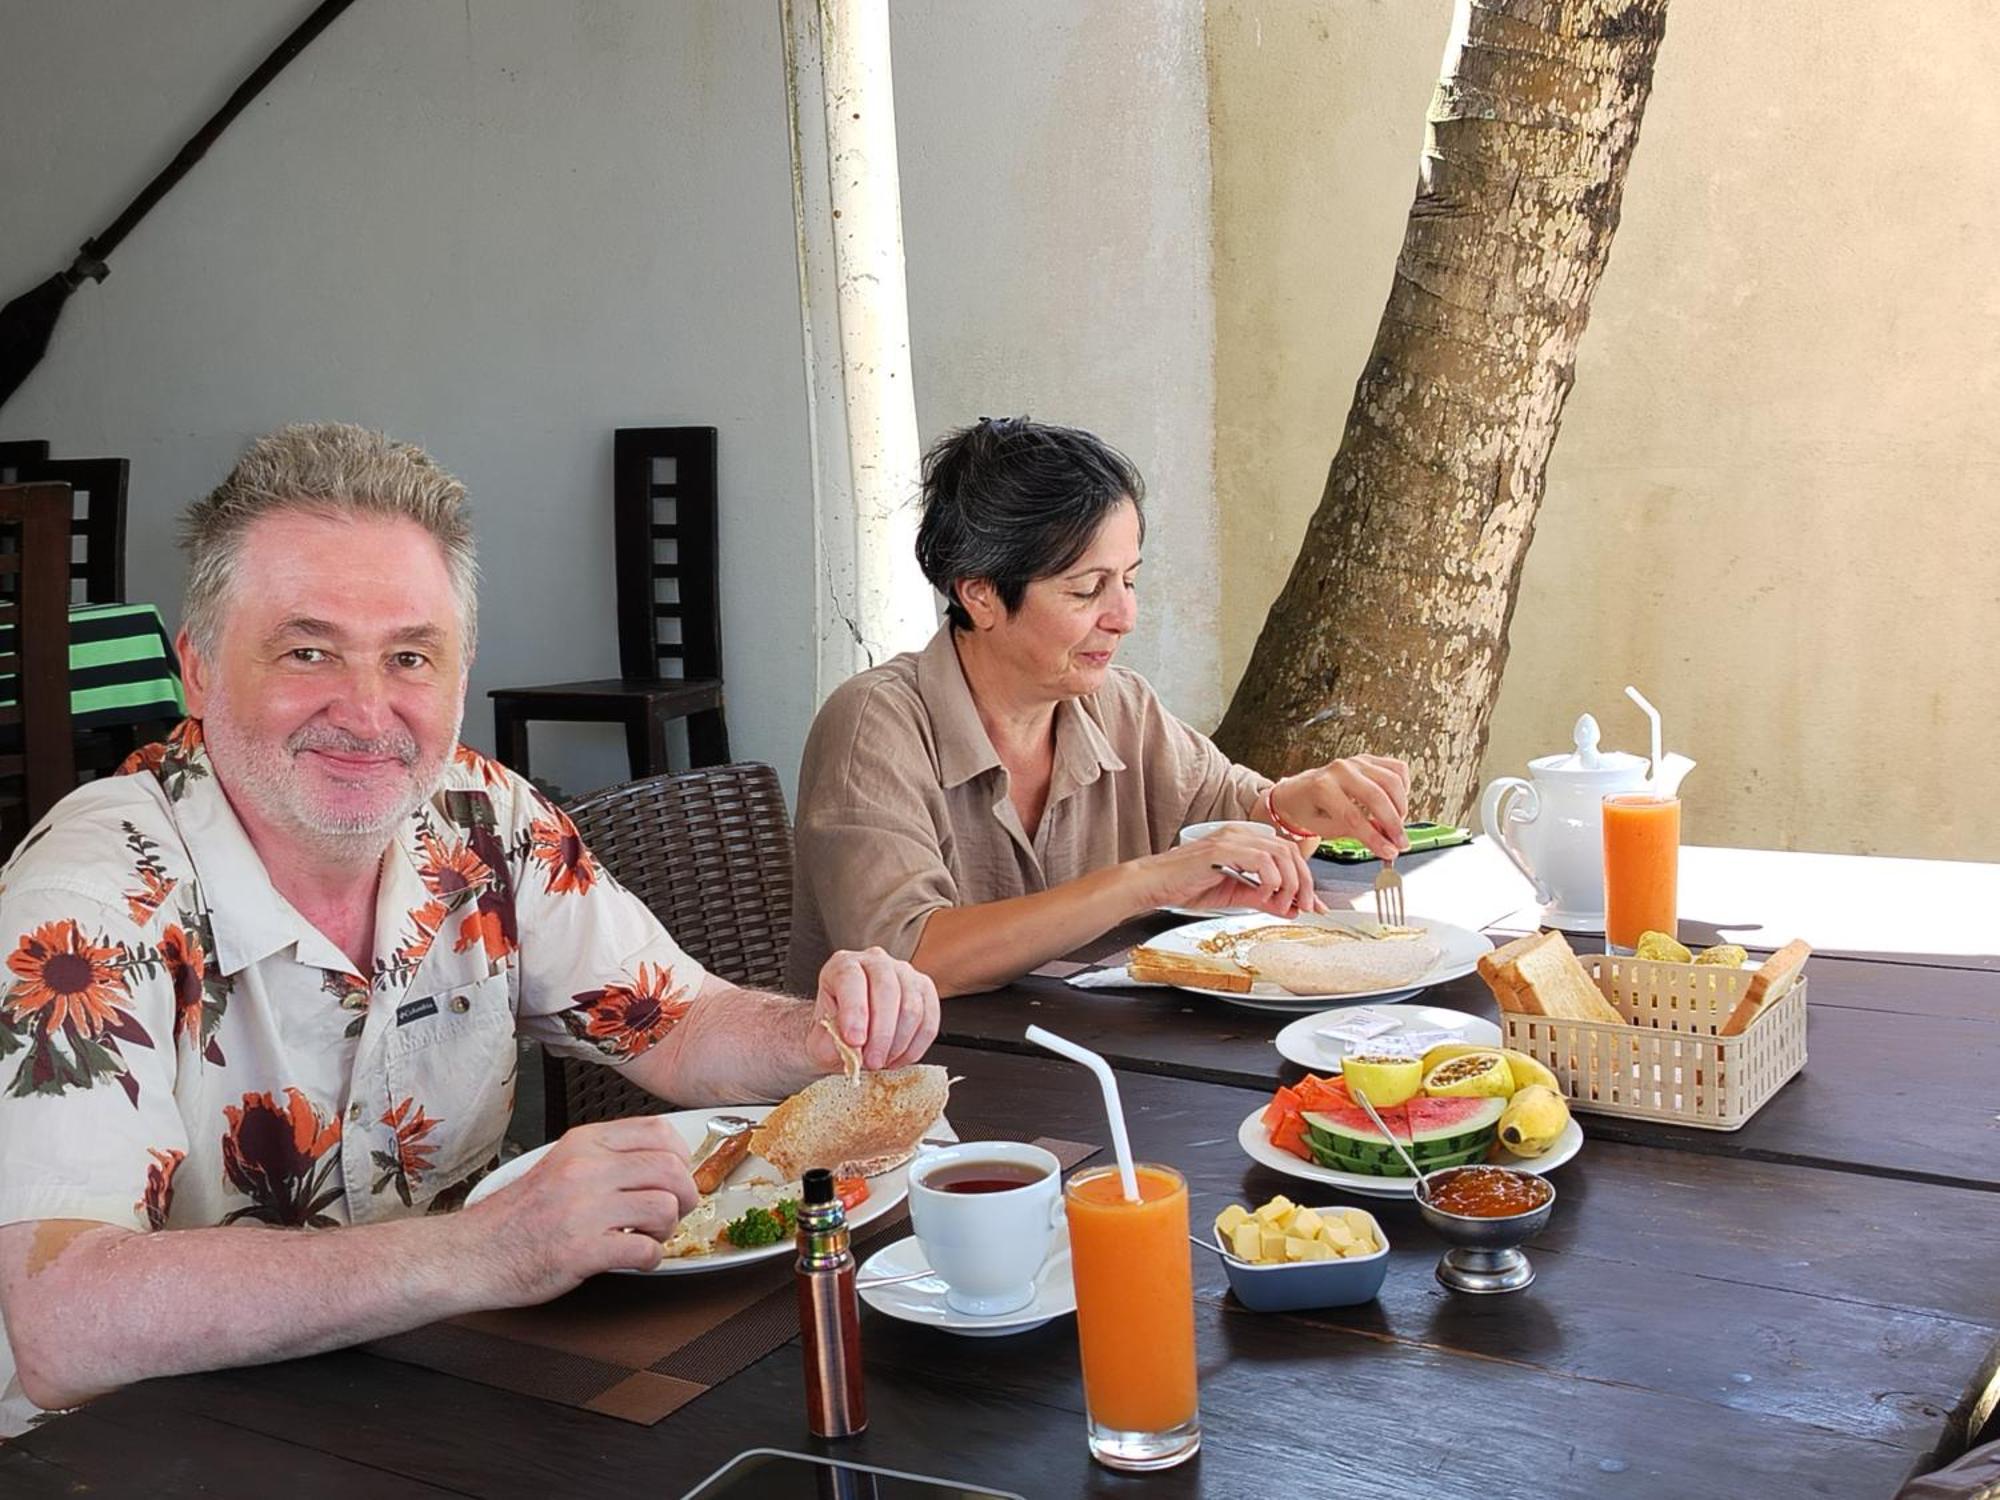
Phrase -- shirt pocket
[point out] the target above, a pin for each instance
(457, 1066)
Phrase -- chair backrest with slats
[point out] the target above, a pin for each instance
(710, 852)
(663, 483)
(97, 526)
(37, 758)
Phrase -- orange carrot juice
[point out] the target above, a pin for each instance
(1642, 854)
(1134, 1315)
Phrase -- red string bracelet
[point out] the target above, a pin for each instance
(1278, 820)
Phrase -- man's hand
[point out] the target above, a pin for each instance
(881, 1006)
(1364, 797)
(566, 1218)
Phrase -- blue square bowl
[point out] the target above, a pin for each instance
(1301, 1284)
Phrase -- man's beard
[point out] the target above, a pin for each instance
(272, 779)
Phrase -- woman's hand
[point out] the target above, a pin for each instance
(1365, 797)
(1185, 875)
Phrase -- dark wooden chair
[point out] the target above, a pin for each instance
(710, 851)
(37, 757)
(669, 612)
(97, 525)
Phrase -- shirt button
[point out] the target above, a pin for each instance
(461, 1003)
(354, 1111)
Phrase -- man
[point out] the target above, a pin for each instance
(272, 976)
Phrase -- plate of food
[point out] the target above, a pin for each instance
(869, 1124)
(1328, 1037)
(1264, 963)
(1458, 1105)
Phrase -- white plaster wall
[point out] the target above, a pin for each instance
(1055, 213)
(500, 230)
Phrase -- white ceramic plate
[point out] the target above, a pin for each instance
(1300, 1043)
(884, 1191)
(1459, 949)
(1256, 1144)
(923, 1301)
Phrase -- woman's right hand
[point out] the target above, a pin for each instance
(1185, 875)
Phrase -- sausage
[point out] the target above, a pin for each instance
(729, 1153)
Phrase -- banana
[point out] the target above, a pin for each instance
(1534, 1118)
(1527, 1070)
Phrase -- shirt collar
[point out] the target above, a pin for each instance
(248, 918)
(964, 750)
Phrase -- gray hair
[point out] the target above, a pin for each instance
(323, 468)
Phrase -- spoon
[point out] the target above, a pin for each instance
(1215, 1249)
(1362, 1099)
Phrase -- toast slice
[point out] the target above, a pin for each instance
(1156, 966)
(1496, 968)
(1769, 984)
(1547, 979)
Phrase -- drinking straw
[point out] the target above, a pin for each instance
(1654, 714)
(1120, 1142)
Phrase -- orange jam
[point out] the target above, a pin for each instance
(1485, 1192)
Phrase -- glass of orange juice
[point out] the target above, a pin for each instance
(1134, 1316)
(1642, 858)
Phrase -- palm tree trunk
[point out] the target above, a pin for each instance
(1391, 633)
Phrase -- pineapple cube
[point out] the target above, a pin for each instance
(1247, 1239)
(1361, 1225)
(1273, 1246)
(1356, 1250)
(1278, 1212)
(1305, 1224)
(1317, 1250)
(1295, 1248)
(1336, 1233)
(1230, 1217)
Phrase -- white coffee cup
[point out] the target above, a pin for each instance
(987, 1247)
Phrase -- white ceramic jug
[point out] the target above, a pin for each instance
(1552, 826)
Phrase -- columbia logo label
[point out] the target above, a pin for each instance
(416, 1010)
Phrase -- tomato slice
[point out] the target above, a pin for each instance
(851, 1191)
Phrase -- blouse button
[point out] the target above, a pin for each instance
(461, 1003)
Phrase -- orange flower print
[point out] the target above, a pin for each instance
(155, 885)
(449, 870)
(406, 1165)
(65, 1005)
(489, 772)
(197, 1011)
(570, 867)
(178, 761)
(66, 981)
(155, 1203)
(623, 1020)
(282, 1159)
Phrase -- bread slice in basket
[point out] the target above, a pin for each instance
(1541, 975)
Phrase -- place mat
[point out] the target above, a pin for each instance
(642, 1347)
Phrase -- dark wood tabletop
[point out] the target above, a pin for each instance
(1900, 1081)
(1702, 1325)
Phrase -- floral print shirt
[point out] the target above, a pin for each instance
(180, 1048)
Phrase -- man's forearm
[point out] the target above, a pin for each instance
(734, 1046)
(93, 1308)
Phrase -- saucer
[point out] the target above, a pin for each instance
(923, 1301)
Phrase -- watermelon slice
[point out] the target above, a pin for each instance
(1436, 1132)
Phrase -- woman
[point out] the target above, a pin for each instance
(1006, 794)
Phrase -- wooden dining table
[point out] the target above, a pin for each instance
(1809, 1306)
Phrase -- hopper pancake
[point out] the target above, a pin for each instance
(1312, 968)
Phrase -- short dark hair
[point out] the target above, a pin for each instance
(1011, 500)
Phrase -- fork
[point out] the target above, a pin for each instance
(1389, 895)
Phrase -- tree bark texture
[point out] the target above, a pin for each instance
(1391, 633)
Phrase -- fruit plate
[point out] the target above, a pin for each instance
(885, 1190)
(1459, 949)
(1301, 1042)
(1256, 1144)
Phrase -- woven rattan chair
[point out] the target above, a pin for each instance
(710, 851)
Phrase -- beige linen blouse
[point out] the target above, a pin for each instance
(903, 804)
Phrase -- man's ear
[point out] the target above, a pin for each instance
(197, 675)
